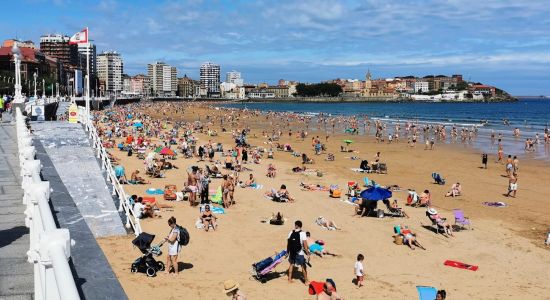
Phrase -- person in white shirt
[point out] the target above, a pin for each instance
(297, 249)
(173, 247)
(359, 270)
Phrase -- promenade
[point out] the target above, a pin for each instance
(16, 278)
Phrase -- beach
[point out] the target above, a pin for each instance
(506, 243)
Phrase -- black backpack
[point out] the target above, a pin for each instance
(184, 237)
(294, 244)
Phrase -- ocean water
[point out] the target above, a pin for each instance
(531, 116)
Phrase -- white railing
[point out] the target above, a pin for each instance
(118, 190)
(50, 247)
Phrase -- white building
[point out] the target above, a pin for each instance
(86, 48)
(109, 71)
(210, 79)
(230, 90)
(234, 77)
(163, 79)
(421, 87)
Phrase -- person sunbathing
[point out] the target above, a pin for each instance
(317, 246)
(277, 219)
(327, 224)
(442, 222)
(271, 171)
(208, 219)
(137, 179)
(409, 238)
(455, 191)
(251, 182)
(282, 195)
(425, 199)
(394, 205)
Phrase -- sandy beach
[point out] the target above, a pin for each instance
(506, 243)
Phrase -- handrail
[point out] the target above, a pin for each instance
(118, 190)
(50, 247)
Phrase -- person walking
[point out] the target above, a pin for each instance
(2, 104)
(173, 247)
(297, 250)
(512, 185)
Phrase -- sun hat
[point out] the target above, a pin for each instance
(432, 211)
(229, 286)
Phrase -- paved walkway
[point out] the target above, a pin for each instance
(16, 277)
(73, 158)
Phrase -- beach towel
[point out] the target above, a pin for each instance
(358, 170)
(217, 210)
(351, 201)
(217, 198)
(495, 204)
(426, 292)
(258, 186)
(152, 191)
(460, 265)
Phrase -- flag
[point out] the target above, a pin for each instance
(79, 37)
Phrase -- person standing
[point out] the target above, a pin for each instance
(2, 104)
(484, 159)
(358, 269)
(297, 250)
(173, 246)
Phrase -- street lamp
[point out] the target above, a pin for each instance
(35, 76)
(43, 88)
(18, 98)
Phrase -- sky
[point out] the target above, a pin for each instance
(499, 42)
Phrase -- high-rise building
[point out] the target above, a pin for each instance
(210, 79)
(163, 79)
(57, 46)
(234, 77)
(109, 71)
(85, 48)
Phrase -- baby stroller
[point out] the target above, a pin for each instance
(263, 267)
(146, 263)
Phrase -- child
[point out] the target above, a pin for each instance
(359, 270)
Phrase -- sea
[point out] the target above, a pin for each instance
(530, 116)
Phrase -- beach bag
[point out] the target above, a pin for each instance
(315, 287)
(294, 244)
(398, 239)
(184, 237)
(337, 193)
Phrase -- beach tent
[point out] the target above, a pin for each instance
(138, 125)
(158, 149)
(426, 292)
(376, 193)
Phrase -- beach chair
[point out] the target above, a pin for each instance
(426, 292)
(412, 198)
(170, 192)
(435, 226)
(217, 197)
(393, 212)
(461, 219)
(438, 179)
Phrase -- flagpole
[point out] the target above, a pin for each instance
(88, 75)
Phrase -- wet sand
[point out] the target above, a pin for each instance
(506, 243)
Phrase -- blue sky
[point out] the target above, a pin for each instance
(499, 42)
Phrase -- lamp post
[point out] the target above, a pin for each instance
(57, 89)
(35, 76)
(18, 98)
(43, 87)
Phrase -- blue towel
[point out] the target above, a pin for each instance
(217, 210)
(154, 192)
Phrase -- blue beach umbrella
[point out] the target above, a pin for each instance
(376, 193)
(138, 125)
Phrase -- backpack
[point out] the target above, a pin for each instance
(183, 238)
(294, 244)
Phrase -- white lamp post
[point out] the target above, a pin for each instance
(18, 98)
(35, 77)
(43, 88)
